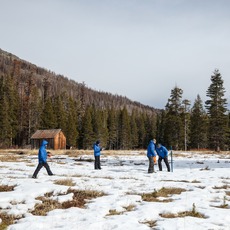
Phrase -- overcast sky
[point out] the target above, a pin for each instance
(140, 49)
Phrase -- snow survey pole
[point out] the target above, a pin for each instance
(171, 159)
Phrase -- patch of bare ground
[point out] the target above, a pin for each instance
(151, 223)
(7, 188)
(7, 220)
(223, 204)
(67, 182)
(9, 158)
(163, 192)
(79, 200)
(225, 186)
(128, 208)
(192, 213)
(183, 181)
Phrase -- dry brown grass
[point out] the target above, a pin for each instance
(224, 204)
(128, 208)
(77, 152)
(227, 193)
(10, 158)
(150, 223)
(66, 182)
(6, 220)
(192, 213)
(81, 159)
(195, 181)
(163, 192)
(221, 187)
(79, 200)
(114, 212)
(205, 169)
(7, 188)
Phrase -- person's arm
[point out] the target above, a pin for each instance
(97, 149)
(154, 150)
(43, 155)
(166, 152)
(157, 151)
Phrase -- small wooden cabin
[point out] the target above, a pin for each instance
(55, 137)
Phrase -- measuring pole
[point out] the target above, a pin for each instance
(171, 160)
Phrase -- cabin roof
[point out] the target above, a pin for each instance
(45, 134)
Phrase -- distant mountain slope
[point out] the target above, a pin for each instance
(58, 84)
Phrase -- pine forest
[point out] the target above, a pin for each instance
(33, 98)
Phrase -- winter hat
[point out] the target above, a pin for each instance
(97, 142)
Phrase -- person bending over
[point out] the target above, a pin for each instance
(162, 153)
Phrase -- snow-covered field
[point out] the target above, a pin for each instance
(203, 178)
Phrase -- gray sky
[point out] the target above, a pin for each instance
(140, 49)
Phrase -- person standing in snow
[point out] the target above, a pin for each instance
(42, 160)
(162, 153)
(151, 154)
(97, 152)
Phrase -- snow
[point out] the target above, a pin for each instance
(123, 179)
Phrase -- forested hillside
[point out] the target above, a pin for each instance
(34, 98)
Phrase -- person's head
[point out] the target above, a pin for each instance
(44, 143)
(97, 142)
(159, 145)
(154, 141)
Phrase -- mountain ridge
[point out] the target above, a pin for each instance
(13, 65)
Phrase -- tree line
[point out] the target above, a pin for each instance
(202, 126)
(33, 98)
(24, 111)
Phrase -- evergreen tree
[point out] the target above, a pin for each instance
(198, 127)
(5, 128)
(60, 109)
(26, 109)
(35, 110)
(71, 130)
(150, 128)
(96, 123)
(134, 130)
(8, 111)
(174, 126)
(141, 131)
(228, 132)
(216, 108)
(87, 130)
(160, 126)
(124, 130)
(48, 117)
(112, 129)
(186, 118)
(104, 135)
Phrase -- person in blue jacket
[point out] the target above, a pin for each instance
(42, 160)
(162, 153)
(97, 152)
(150, 154)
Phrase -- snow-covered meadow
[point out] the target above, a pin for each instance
(196, 195)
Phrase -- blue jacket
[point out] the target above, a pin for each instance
(42, 154)
(97, 149)
(162, 152)
(151, 149)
